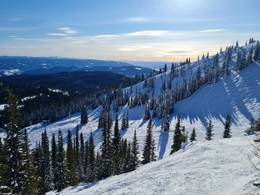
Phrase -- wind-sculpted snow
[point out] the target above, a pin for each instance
(204, 168)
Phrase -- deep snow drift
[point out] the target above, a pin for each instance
(204, 168)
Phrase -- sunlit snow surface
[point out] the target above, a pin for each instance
(219, 167)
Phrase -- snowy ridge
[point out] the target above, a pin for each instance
(207, 167)
(237, 94)
(200, 168)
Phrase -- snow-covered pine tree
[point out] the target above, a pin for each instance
(127, 162)
(46, 183)
(98, 173)
(91, 167)
(135, 153)
(54, 161)
(82, 157)
(123, 151)
(70, 161)
(61, 180)
(153, 148)
(3, 165)
(106, 149)
(77, 171)
(184, 134)
(209, 130)
(124, 124)
(177, 138)
(116, 148)
(193, 135)
(84, 116)
(30, 178)
(166, 117)
(13, 144)
(149, 144)
(227, 125)
(251, 129)
(147, 113)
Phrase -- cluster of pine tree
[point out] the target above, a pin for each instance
(51, 167)
(209, 70)
(18, 172)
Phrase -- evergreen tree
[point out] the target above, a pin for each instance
(209, 131)
(166, 123)
(91, 168)
(116, 148)
(85, 166)
(106, 151)
(147, 113)
(125, 121)
(3, 165)
(227, 131)
(251, 129)
(82, 156)
(30, 178)
(153, 155)
(98, 170)
(77, 170)
(54, 161)
(37, 161)
(84, 116)
(128, 159)
(61, 181)
(70, 159)
(123, 151)
(45, 164)
(148, 152)
(193, 135)
(184, 135)
(177, 138)
(135, 153)
(13, 144)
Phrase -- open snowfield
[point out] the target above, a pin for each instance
(220, 167)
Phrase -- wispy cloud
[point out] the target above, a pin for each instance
(136, 20)
(63, 32)
(68, 30)
(135, 48)
(179, 52)
(57, 34)
(106, 36)
(148, 33)
(213, 30)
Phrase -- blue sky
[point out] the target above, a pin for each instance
(150, 30)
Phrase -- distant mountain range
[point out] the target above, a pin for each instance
(11, 65)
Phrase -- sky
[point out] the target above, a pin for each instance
(139, 30)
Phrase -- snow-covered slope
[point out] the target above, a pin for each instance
(237, 95)
(205, 168)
